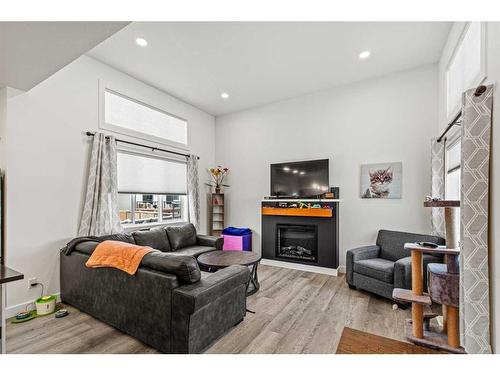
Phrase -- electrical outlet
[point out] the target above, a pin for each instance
(33, 281)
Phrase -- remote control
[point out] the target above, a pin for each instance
(428, 244)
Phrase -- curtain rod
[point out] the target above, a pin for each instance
(90, 134)
(456, 121)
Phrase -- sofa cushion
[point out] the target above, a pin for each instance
(86, 247)
(392, 243)
(184, 267)
(155, 237)
(377, 268)
(181, 236)
(124, 237)
(194, 251)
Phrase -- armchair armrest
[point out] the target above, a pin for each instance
(192, 297)
(212, 241)
(360, 253)
(402, 271)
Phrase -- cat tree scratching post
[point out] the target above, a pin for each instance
(443, 288)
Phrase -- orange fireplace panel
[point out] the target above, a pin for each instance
(311, 212)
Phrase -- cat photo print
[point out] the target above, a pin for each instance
(381, 180)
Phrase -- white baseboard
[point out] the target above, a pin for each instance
(11, 311)
(341, 269)
(299, 267)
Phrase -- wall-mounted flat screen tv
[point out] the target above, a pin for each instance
(303, 179)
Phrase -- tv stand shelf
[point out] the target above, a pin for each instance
(311, 212)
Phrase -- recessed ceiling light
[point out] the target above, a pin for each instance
(364, 55)
(141, 42)
(302, 172)
(224, 95)
(295, 171)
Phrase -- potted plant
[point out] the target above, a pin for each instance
(218, 175)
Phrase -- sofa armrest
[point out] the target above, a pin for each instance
(212, 241)
(190, 298)
(360, 253)
(402, 271)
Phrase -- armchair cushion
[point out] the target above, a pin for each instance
(377, 268)
(402, 271)
(392, 243)
(156, 238)
(181, 236)
(360, 253)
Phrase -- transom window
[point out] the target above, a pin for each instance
(466, 67)
(125, 115)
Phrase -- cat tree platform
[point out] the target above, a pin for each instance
(418, 329)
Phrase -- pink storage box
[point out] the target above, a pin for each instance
(243, 243)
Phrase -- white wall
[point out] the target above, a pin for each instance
(47, 154)
(382, 120)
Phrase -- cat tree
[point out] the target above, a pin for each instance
(443, 288)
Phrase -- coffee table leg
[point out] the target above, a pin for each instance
(254, 280)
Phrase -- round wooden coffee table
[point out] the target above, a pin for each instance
(218, 259)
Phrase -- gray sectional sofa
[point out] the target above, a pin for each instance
(386, 265)
(169, 303)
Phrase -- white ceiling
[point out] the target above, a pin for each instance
(259, 63)
(30, 52)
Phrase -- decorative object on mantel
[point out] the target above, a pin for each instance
(381, 180)
(217, 176)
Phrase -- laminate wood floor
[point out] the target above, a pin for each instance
(295, 312)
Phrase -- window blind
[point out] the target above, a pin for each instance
(149, 175)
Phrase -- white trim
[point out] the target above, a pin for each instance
(300, 267)
(301, 200)
(341, 269)
(11, 311)
(116, 129)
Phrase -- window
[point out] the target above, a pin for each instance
(466, 67)
(151, 189)
(452, 182)
(128, 116)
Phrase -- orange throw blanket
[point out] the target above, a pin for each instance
(116, 254)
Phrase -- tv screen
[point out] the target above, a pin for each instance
(299, 179)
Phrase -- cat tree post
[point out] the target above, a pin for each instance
(451, 235)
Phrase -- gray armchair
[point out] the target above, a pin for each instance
(387, 265)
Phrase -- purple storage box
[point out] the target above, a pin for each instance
(243, 243)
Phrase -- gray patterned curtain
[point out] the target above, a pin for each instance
(193, 191)
(437, 185)
(474, 280)
(100, 212)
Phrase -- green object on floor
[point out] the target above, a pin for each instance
(32, 316)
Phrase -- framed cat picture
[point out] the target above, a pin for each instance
(381, 180)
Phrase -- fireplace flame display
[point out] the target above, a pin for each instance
(297, 242)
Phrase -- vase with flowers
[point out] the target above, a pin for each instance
(217, 175)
